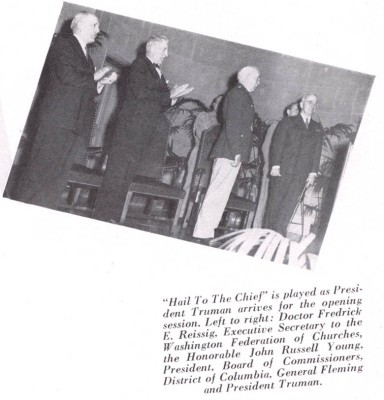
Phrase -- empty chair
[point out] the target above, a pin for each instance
(152, 191)
(83, 184)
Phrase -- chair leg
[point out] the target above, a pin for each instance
(73, 195)
(250, 218)
(174, 229)
(187, 214)
(126, 206)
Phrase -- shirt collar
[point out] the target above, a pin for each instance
(157, 67)
(305, 117)
(241, 86)
(151, 60)
(82, 43)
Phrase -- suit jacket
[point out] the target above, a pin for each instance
(147, 97)
(236, 134)
(296, 149)
(69, 96)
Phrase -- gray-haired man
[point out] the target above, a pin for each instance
(231, 149)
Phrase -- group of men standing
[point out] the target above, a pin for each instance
(68, 108)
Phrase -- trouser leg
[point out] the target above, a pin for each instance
(118, 177)
(219, 189)
(54, 152)
(282, 201)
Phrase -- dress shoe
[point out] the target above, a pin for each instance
(205, 241)
(213, 243)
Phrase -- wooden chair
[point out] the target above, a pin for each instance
(162, 196)
(154, 190)
(83, 183)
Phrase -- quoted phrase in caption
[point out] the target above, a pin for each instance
(264, 340)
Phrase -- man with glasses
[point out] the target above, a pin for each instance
(295, 157)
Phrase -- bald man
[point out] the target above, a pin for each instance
(295, 157)
(231, 149)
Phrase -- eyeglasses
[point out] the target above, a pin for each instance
(310, 102)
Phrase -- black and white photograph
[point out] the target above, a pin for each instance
(181, 134)
(191, 199)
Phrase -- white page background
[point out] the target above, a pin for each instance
(81, 301)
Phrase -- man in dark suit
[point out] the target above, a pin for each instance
(294, 156)
(231, 149)
(147, 97)
(65, 114)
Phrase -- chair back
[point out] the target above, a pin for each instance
(203, 166)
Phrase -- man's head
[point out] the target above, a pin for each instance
(86, 26)
(249, 77)
(157, 48)
(292, 110)
(308, 104)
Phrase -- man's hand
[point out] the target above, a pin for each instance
(275, 170)
(108, 80)
(311, 178)
(100, 73)
(236, 163)
(180, 90)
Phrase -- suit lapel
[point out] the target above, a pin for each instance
(90, 63)
(299, 122)
(246, 93)
(301, 127)
(311, 125)
(152, 68)
(76, 45)
(79, 51)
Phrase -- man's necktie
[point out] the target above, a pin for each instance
(307, 123)
(157, 66)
